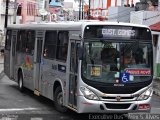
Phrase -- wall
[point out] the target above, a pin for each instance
(145, 17)
(25, 16)
(119, 14)
(156, 56)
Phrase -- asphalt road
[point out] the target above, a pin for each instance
(15, 105)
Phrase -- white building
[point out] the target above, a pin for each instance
(151, 19)
(2, 13)
(119, 14)
(2, 18)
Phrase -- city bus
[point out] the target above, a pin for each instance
(85, 66)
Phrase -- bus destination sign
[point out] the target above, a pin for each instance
(117, 32)
(108, 32)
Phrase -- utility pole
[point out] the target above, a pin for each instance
(80, 4)
(15, 11)
(89, 9)
(82, 9)
(6, 14)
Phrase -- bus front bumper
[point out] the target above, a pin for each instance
(95, 106)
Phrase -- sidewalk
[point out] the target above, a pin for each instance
(156, 87)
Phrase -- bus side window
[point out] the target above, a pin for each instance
(62, 45)
(21, 40)
(30, 42)
(50, 45)
(8, 40)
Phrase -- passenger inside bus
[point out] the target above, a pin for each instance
(109, 58)
(139, 56)
(127, 59)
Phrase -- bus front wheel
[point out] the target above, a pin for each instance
(20, 82)
(59, 100)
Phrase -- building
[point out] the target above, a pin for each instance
(149, 15)
(26, 11)
(55, 8)
(156, 43)
(99, 8)
(2, 18)
(2, 13)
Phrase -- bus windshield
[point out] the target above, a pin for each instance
(117, 62)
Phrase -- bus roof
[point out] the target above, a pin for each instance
(68, 25)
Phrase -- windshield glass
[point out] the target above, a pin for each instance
(111, 62)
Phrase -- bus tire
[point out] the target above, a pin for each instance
(20, 82)
(58, 101)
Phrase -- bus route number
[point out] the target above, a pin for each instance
(95, 71)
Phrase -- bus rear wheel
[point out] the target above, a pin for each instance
(20, 82)
(59, 100)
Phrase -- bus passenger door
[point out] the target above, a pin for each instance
(13, 54)
(37, 61)
(7, 55)
(73, 74)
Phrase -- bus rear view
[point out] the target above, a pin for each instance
(116, 69)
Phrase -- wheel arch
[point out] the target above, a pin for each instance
(20, 70)
(56, 84)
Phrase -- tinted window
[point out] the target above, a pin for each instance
(25, 41)
(50, 44)
(62, 45)
(30, 42)
(111, 62)
(8, 40)
(21, 41)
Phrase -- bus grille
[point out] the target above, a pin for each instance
(117, 106)
(113, 98)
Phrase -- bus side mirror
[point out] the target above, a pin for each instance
(80, 53)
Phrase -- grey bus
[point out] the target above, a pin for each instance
(88, 67)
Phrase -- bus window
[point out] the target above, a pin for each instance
(30, 42)
(26, 40)
(62, 45)
(50, 44)
(109, 57)
(135, 55)
(128, 59)
(21, 40)
(139, 56)
(8, 40)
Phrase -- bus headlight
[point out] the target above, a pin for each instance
(88, 94)
(146, 94)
